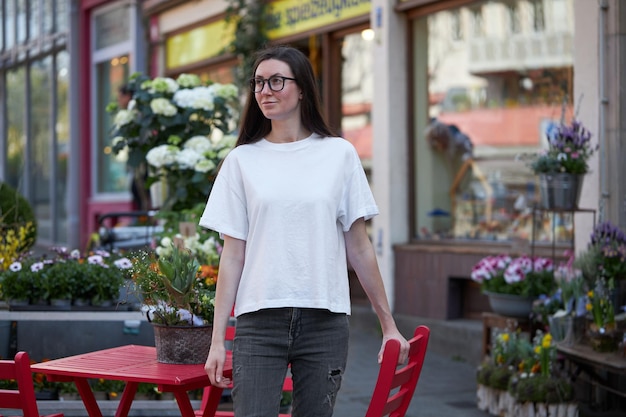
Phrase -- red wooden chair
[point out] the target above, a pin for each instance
(395, 386)
(23, 397)
(211, 401)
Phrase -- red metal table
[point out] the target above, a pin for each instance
(133, 364)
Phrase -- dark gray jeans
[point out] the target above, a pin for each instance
(313, 341)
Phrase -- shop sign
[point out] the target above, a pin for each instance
(289, 17)
(198, 44)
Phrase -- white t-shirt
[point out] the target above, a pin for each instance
(291, 203)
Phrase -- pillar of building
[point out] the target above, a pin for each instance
(389, 136)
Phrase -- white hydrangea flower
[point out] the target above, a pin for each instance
(162, 155)
(195, 98)
(188, 80)
(223, 152)
(131, 105)
(200, 144)
(204, 165)
(163, 106)
(187, 158)
(123, 117)
(226, 91)
(163, 85)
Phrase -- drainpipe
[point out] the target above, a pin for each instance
(604, 101)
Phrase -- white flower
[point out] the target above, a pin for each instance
(162, 155)
(188, 80)
(166, 242)
(227, 91)
(15, 267)
(196, 98)
(123, 263)
(204, 165)
(163, 85)
(200, 144)
(36, 267)
(96, 260)
(163, 106)
(123, 117)
(187, 158)
(75, 254)
(131, 105)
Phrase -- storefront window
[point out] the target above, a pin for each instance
(41, 132)
(16, 140)
(112, 174)
(112, 46)
(357, 86)
(62, 143)
(490, 97)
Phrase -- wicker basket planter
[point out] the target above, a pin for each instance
(182, 344)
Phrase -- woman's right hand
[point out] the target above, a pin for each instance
(214, 365)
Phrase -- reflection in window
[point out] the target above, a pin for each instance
(41, 131)
(63, 140)
(16, 139)
(22, 27)
(477, 22)
(357, 87)
(490, 100)
(514, 18)
(456, 28)
(112, 27)
(538, 17)
(111, 175)
(9, 22)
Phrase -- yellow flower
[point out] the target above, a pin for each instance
(590, 294)
(537, 349)
(588, 307)
(547, 341)
(505, 337)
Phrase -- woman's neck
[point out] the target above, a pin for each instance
(284, 132)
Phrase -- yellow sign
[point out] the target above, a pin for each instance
(198, 44)
(289, 17)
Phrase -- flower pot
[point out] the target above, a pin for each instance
(568, 330)
(510, 305)
(604, 339)
(182, 344)
(560, 191)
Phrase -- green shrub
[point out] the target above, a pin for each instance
(16, 211)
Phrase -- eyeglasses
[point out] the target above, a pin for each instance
(275, 82)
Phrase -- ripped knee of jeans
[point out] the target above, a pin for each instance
(334, 379)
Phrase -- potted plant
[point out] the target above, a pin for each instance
(512, 284)
(64, 275)
(179, 295)
(567, 320)
(521, 378)
(562, 166)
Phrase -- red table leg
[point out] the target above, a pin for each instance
(84, 389)
(184, 404)
(127, 399)
(215, 395)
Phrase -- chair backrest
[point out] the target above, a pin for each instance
(23, 397)
(395, 385)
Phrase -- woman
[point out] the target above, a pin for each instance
(291, 202)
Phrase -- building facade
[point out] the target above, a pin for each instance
(497, 72)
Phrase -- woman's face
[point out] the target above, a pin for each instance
(277, 105)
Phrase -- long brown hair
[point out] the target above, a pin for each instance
(255, 126)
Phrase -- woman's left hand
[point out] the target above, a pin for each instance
(404, 347)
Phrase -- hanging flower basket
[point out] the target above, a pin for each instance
(560, 191)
